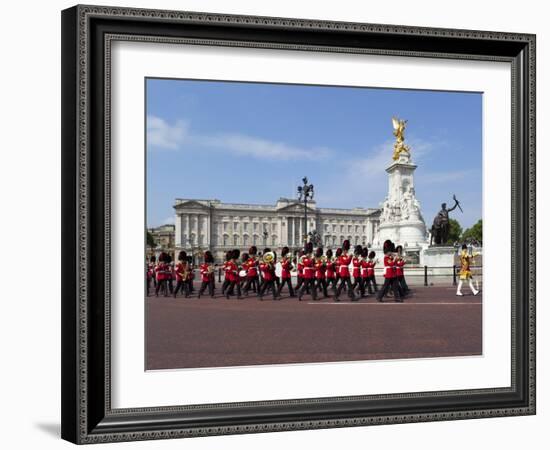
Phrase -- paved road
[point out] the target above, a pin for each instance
(185, 333)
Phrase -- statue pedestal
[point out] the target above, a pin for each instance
(439, 259)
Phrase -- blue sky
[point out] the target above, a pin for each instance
(253, 143)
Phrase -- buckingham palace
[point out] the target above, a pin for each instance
(212, 225)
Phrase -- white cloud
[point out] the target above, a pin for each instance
(162, 135)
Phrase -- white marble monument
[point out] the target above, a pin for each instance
(401, 219)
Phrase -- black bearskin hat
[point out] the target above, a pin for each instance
(162, 257)
(182, 256)
(372, 255)
(319, 252)
(235, 254)
(228, 255)
(208, 257)
(152, 259)
(308, 248)
(464, 247)
(357, 250)
(244, 257)
(346, 245)
(388, 246)
(399, 248)
(267, 249)
(365, 252)
(338, 251)
(329, 253)
(253, 250)
(285, 251)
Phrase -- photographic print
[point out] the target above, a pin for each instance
(291, 223)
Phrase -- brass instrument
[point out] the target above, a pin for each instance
(268, 257)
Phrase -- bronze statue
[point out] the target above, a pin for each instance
(441, 226)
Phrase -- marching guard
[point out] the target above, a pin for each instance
(267, 267)
(286, 267)
(370, 264)
(233, 273)
(357, 262)
(330, 272)
(320, 271)
(343, 263)
(182, 274)
(207, 274)
(251, 267)
(308, 264)
(400, 271)
(161, 273)
(390, 279)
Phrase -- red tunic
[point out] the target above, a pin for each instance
(370, 268)
(206, 276)
(161, 271)
(251, 268)
(309, 269)
(399, 267)
(268, 271)
(364, 268)
(180, 268)
(356, 261)
(286, 266)
(300, 269)
(330, 272)
(320, 269)
(226, 270)
(232, 271)
(343, 263)
(388, 267)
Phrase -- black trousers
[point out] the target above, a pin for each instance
(393, 284)
(403, 284)
(252, 282)
(322, 286)
(225, 285)
(184, 286)
(359, 282)
(269, 284)
(345, 282)
(331, 282)
(288, 282)
(299, 283)
(162, 284)
(370, 284)
(231, 289)
(308, 283)
(207, 284)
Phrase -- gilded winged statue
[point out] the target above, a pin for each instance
(399, 133)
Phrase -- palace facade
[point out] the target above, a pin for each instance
(212, 225)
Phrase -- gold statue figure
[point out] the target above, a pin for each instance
(399, 133)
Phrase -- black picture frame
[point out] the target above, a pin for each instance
(87, 416)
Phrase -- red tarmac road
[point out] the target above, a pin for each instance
(186, 333)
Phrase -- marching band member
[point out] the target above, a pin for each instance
(390, 279)
(356, 263)
(343, 268)
(371, 280)
(233, 273)
(226, 275)
(308, 273)
(151, 273)
(320, 271)
(207, 274)
(337, 266)
(286, 267)
(267, 267)
(161, 272)
(190, 274)
(182, 274)
(364, 271)
(330, 270)
(465, 273)
(252, 278)
(299, 255)
(399, 270)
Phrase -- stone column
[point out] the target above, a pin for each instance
(187, 233)
(208, 232)
(178, 233)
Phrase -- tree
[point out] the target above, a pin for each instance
(455, 230)
(475, 233)
(151, 240)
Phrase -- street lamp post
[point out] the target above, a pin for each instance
(305, 193)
